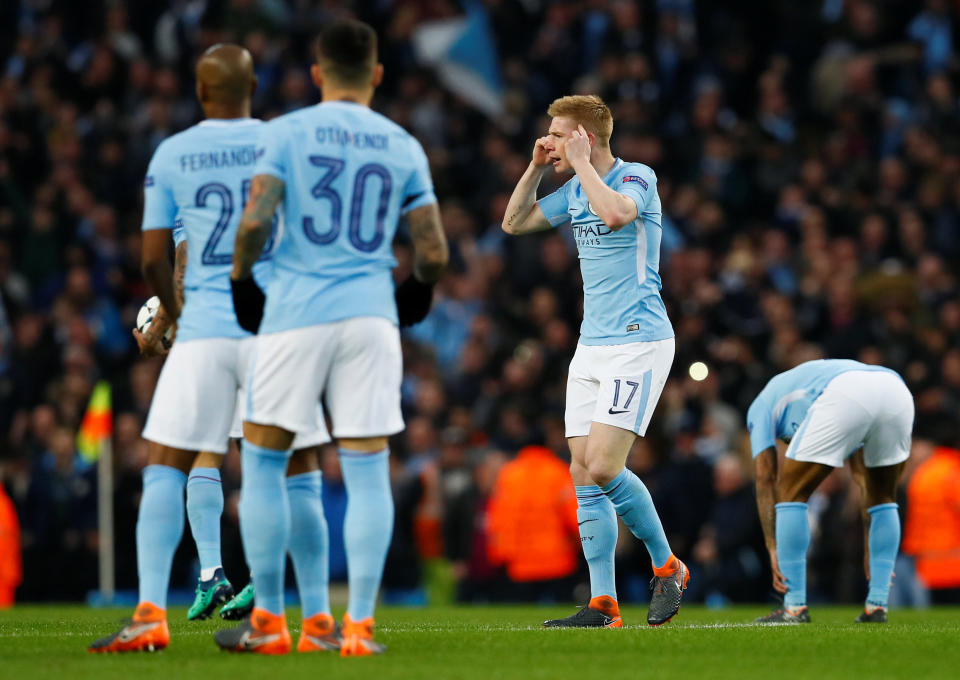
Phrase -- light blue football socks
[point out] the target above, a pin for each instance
(883, 542)
(159, 530)
(309, 542)
(367, 527)
(634, 505)
(265, 522)
(597, 520)
(204, 508)
(793, 540)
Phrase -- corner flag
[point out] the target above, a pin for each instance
(97, 425)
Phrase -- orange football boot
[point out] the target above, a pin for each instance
(358, 638)
(261, 633)
(147, 632)
(319, 634)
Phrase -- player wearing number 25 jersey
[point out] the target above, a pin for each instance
(195, 187)
(342, 176)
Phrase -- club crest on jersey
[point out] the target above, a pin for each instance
(635, 178)
(591, 209)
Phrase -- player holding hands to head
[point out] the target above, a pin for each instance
(626, 344)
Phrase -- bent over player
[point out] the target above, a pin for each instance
(198, 178)
(626, 342)
(827, 410)
(343, 175)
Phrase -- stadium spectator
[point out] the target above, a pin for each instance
(532, 525)
(11, 564)
(931, 534)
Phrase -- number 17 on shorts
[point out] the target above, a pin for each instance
(617, 385)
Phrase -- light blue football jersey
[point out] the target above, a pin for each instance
(350, 173)
(197, 184)
(620, 269)
(783, 403)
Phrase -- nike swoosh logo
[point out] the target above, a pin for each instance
(323, 644)
(613, 413)
(133, 631)
(248, 641)
(580, 524)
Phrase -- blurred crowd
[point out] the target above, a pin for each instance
(808, 157)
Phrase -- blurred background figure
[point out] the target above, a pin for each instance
(533, 531)
(931, 534)
(11, 563)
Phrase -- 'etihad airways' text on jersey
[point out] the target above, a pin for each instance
(350, 173)
(620, 269)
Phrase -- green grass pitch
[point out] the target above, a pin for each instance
(453, 643)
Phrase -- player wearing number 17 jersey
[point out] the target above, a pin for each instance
(626, 342)
(342, 176)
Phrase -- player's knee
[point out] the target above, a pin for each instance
(602, 470)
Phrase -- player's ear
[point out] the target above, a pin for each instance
(377, 75)
(316, 75)
(201, 91)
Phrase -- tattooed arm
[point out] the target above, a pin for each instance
(429, 243)
(266, 192)
(523, 215)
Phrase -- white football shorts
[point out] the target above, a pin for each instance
(356, 365)
(873, 409)
(199, 397)
(617, 385)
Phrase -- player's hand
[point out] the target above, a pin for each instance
(152, 344)
(577, 148)
(413, 299)
(248, 301)
(540, 154)
(779, 580)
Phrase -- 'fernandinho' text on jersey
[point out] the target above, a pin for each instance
(620, 269)
(782, 405)
(197, 184)
(350, 173)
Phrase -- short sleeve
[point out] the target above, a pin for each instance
(179, 233)
(272, 158)
(760, 426)
(639, 183)
(159, 204)
(555, 206)
(418, 191)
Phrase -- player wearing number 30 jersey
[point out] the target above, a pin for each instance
(342, 176)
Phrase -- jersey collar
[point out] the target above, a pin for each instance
(617, 162)
(227, 122)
